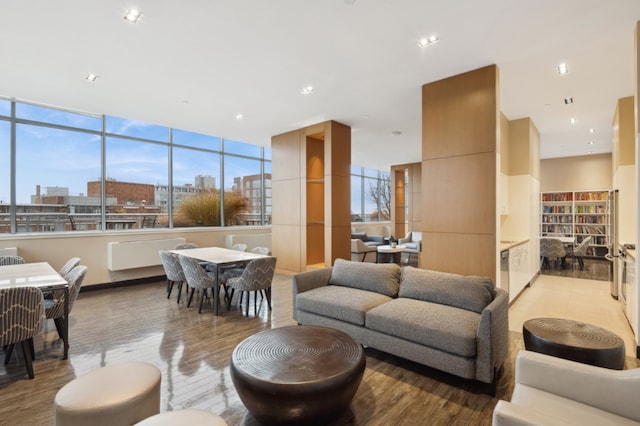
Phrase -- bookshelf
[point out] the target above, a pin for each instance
(577, 214)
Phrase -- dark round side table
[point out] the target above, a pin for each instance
(574, 340)
(298, 374)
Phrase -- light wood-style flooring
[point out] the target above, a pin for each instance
(193, 350)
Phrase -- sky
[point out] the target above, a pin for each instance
(54, 157)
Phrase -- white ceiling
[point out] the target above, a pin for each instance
(195, 64)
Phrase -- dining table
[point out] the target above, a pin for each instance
(218, 257)
(42, 276)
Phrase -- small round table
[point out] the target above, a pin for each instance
(297, 374)
(388, 253)
(574, 340)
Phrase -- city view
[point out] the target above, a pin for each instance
(61, 156)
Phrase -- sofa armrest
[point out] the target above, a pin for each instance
(305, 281)
(615, 391)
(493, 337)
(507, 414)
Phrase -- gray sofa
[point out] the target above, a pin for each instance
(450, 322)
(369, 240)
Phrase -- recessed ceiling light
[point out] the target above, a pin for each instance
(132, 15)
(562, 69)
(592, 142)
(428, 41)
(396, 133)
(568, 100)
(572, 120)
(592, 130)
(307, 90)
(239, 116)
(91, 77)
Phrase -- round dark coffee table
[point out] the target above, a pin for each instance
(574, 340)
(298, 374)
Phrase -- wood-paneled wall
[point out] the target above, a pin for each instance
(460, 134)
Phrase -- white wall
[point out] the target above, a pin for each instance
(581, 173)
(91, 247)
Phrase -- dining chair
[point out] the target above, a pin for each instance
(21, 315)
(261, 250)
(197, 278)
(233, 269)
(11, 260)
(551, 248)
(67, 267)
(580, 251)
(183, 246)
(54, 308)
(256, 276)
(173, 271)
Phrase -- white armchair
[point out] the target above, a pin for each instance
(412, 242)
(358, 247)
(556, 391)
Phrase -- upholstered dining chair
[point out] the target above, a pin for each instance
(256, 276)
(185, 246)
(261, 250)
(11, 260)
(580, 251)
(67, 267)
(197, 278)
(233, 269)
(21, 315)
(54, 308)
(173, 271)
(551, 248)
(555, 235)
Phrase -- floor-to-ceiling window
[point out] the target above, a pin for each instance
(89, 172)
(370, 195)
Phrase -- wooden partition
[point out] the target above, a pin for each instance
(460, 133)
(311, 220)
(406, 198)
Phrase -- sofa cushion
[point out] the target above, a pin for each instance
(438, 326)
(466, 292)
(342, 303)
(381, 278)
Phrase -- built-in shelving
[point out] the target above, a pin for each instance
(577, 214)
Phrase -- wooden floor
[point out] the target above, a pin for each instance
(193, 350)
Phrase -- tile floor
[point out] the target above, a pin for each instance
(572, 298)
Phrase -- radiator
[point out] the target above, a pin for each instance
(138, 254)
(9, 251)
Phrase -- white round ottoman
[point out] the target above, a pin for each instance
(188, 416)
(118, 394)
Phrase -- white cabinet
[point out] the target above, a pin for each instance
(518, 269)
(632, 292)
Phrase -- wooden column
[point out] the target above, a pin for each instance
(311, 220)
(460, 133)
